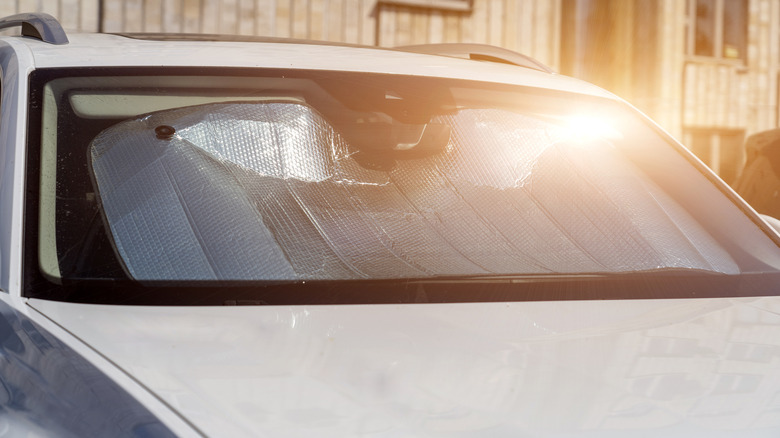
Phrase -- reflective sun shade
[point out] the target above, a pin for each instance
(274, 191)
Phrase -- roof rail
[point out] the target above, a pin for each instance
(479, 52)
(37, 25)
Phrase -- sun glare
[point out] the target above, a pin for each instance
(586, 128)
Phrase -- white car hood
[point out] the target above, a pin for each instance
(705, 367)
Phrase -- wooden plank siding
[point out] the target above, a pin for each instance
(712, 97)
(732, 94)
(529, 26)
(74, 15)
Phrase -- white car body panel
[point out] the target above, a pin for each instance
(180, 426)
(665, 368)
(112, 50)
(16, 63)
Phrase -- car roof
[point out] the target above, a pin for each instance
(138, 50)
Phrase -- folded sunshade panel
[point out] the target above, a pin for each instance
(271, 191)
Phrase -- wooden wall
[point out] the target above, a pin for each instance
(332, 20)
(727, 95)
(529, 26)
(716, 96)
(76, 15)
(663, 101)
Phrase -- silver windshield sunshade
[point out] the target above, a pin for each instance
(271, 191)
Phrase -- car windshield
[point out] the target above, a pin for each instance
(198, 178)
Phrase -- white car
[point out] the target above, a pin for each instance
(205, 237)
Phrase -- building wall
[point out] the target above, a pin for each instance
(723, 100)
(350, 21)
(663, 100)
(728, 95)
(529, 26)
(74, 15)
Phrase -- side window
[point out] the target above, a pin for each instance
(717, 28)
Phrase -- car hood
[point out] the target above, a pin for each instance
(684, 367)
